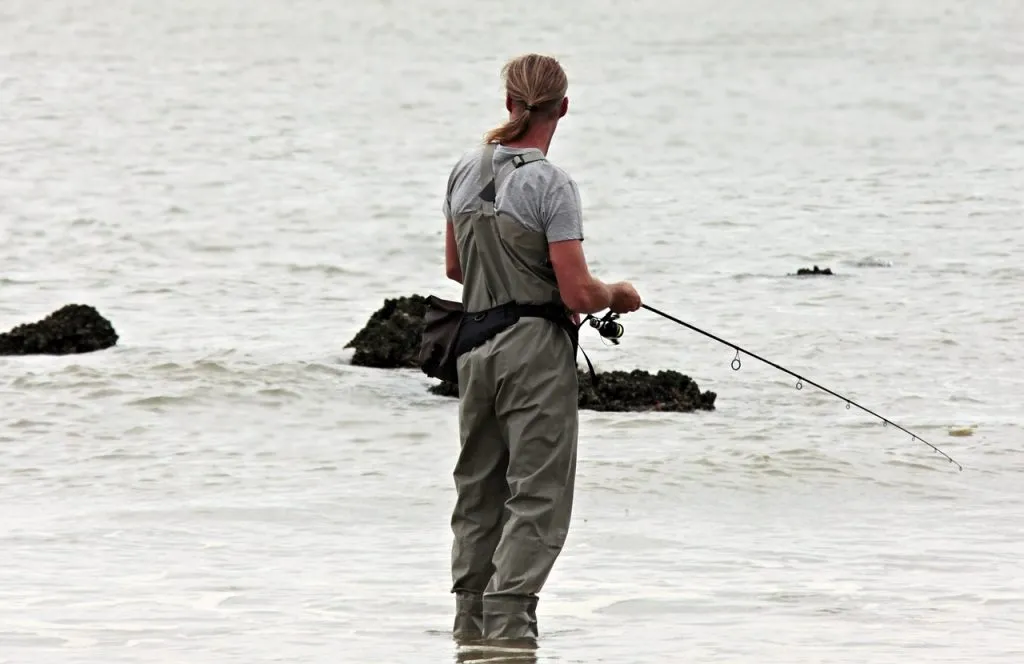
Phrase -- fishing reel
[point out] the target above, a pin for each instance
(607, 326)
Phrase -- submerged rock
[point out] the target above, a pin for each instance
(444, 389)
(816, 270)
(619, 391)
(74, 328)
(637, 390)
(391, 338)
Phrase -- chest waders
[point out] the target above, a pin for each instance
(518, 419)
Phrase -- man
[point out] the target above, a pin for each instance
(514, 234)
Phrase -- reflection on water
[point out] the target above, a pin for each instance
(505, 650)
(495, 654)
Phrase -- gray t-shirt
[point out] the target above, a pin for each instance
(539, 195)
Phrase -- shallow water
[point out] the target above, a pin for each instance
(237, 186)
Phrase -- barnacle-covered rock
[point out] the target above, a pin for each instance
(74, 328)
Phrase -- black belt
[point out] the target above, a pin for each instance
(480, 327)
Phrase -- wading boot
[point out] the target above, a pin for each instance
(469, 617)
(511, 621)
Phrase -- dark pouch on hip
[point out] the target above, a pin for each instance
(441, 324)
(480, 327)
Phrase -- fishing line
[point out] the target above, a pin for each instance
(609, 328)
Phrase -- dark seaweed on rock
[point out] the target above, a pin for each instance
(391, 338)
(804, 271)
(72, 329)
(639, 390)
(444, 389)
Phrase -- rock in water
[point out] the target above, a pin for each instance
(816, 270)
(391, 338)
(639, 390)
(74, 328)
(444, 389)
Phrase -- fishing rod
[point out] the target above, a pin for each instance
(609, 328)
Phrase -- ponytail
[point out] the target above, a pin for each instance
(512, 130)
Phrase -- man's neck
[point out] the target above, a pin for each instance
(538, 137)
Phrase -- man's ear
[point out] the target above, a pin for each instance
(508, 103)
(564, 108)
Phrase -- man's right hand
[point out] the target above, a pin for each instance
(624, 298)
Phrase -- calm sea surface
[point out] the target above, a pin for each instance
(239, 185)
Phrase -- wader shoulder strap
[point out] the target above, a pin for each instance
(491, 277)
(529, 158)
(488, 189)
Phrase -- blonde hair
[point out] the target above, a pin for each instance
(535, 82)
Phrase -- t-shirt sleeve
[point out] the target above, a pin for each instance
(446, 205)
(563, 214)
